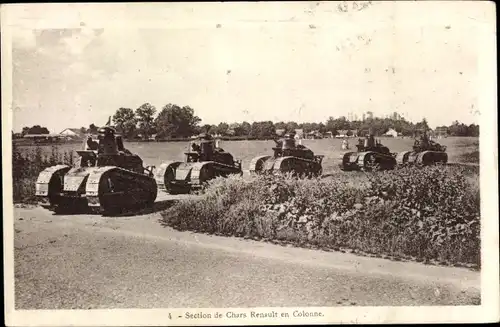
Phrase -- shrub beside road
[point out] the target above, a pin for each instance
(429, 215)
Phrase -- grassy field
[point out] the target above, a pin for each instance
(460, 149)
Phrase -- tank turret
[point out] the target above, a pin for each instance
(204, 161)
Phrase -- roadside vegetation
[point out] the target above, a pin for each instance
(429, 215)
(28, 163)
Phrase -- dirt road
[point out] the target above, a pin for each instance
(87, 262)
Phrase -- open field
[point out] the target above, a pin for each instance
(154, 153)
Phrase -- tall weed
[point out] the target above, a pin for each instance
(425, 214)
(27, 165)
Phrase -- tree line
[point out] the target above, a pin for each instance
(174, 121)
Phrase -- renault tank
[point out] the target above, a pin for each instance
(425, 152)
(107, 178)
(370, 155)
(288, 157)
(204, 161)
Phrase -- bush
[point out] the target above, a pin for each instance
(469, 157)
(424, 214)
(27, 165)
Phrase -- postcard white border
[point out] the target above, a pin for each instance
(12, 15)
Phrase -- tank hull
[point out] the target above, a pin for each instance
(367, 161)
(423, 158)
(175, 177)
(107, 189)
(288, 164)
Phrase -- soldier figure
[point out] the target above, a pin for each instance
(206, 147)
(107, 142)
(91, 144)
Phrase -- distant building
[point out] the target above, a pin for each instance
(72, 133)
(329, 135)
(392, 133)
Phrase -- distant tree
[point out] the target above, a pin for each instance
(263, 130)
(125, 122)
(145, 117)
(280, 125)
(246, 128)
(83, 130)
(174, 121)
(473, 130)
(307, 127)
(291, 126)
(242, 129)
(458, 129)
(322, 128)
(213, 129)
(206, 129)
(222, 129)
(36, 129)
(331, 126)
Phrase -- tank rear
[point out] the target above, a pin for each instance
(422, 158)
(102, 189)
(300, 162)
(176, 177)
(62, 187)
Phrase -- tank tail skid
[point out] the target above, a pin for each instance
(287, 165)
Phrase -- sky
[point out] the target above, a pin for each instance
(73, 65)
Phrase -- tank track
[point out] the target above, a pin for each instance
(424, 158)
(288, 164)
(107, 190)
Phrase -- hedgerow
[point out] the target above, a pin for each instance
(423, 214)
(27, 165)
